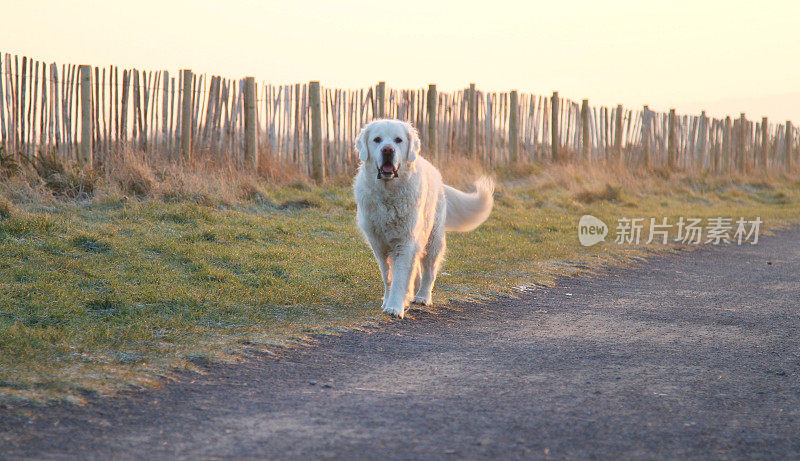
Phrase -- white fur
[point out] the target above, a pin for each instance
(404, 218)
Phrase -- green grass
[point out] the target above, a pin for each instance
(122, 292)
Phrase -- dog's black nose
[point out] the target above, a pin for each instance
(387, 150)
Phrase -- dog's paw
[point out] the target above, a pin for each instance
(396, 311)
(421, 301)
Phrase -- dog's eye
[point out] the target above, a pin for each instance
(378, 139)
(398, 140)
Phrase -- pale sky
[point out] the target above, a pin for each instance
(726, 56)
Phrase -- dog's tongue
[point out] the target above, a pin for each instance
(387, 168)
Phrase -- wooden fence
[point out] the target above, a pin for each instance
(86, 114)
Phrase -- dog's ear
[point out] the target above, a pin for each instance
(362, 144)
(414, 144)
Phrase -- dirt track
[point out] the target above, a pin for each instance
(692, 356)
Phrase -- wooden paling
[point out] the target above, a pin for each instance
(45, 109)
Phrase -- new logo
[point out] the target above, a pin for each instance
(591, 230)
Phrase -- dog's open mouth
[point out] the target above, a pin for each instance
(387, 171)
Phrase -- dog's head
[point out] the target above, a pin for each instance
(388, 146)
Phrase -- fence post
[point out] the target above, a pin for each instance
(672, 148)
(433, 101)
(789, 138)
(764, 142)
(123, 113)
(317, 155)
(165, 110)
(472, 121)
(86, 116)
(646, 136)
(728, 150)
(702, 134)
(735, 137)
(513, 127)
(585, 132)
(380, 94)
(186, 116)
(618, 134)
(742, 144)
(555, 139)
(715, 145)
(298, 126)
(250, 128)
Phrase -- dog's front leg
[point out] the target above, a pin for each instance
(386, 275)
(381, 252)
(403, 272)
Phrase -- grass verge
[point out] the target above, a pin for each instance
(131, 286)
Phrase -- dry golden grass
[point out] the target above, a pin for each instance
(133, 174)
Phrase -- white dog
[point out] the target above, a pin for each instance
(404, 211)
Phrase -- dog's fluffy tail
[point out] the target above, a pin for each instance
(466, 211)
